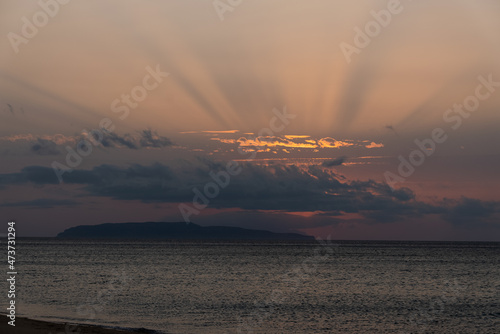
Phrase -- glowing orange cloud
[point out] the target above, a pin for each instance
(222, 131)
(329, 142)
(224, 140)
(295, 141)
(59, 139)
(273, 142)
(296, 136)
(374, 145)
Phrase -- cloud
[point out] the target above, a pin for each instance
(374, 145)
(329, 142)
(288, 141)
(466, 210)
(45, 147)
(334, 162)
(272, 141)
(115, 140)
(145, 139)
(41, 203)
(225, 140)
(296, 136)
(403, 194)
(275, 221)
(38, 175)
(212, 131)
(285, 188)
(151, 138)
(58, 139)
(220, 132)
(48, 144)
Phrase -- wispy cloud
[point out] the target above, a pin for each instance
(41, 203)
(58, 139)
(212, 131)
(296, 136)
(48, 144)
(334, 162)
(222, 131)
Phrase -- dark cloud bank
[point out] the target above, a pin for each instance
(145, 139)
(277, 188)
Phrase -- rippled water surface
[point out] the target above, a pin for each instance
(189, 287)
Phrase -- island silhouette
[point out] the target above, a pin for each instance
(174, 230)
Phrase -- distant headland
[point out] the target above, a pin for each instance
(182, 231)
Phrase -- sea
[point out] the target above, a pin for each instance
(166, 286)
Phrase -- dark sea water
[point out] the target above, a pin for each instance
(233, 287)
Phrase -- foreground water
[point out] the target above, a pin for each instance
(189, 287)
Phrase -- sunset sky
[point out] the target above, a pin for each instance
(159, 96)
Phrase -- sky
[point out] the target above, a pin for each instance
(364, 120)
